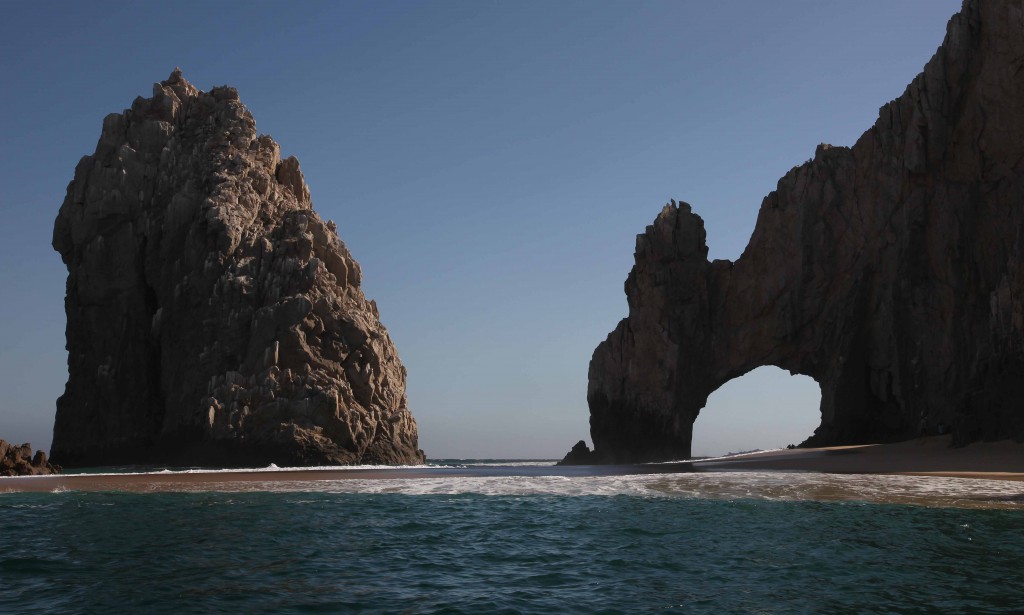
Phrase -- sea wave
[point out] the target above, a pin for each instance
(503, 478)
(431, 465)
(734, 541)
(769, 486)
(270, 468)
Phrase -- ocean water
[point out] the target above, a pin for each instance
(520, 539)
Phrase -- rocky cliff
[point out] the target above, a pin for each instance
(890, 272)
(213, 317)
(20, 461)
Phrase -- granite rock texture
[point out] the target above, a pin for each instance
(20, 461)
(213, 316)
(890, 272)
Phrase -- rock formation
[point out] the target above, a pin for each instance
(579, 455)
(890, 272)
(213, 317)
(19, 461)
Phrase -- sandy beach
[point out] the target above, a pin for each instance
(923, 457)
(931, 456)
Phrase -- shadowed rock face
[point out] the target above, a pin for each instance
(213, 317)
(890, 272)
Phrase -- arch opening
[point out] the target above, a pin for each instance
(766, 408)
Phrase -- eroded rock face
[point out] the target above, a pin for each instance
(20, 461)
(213, 317)
(890, 272)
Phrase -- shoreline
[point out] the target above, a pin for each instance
(925, 457)
(928, 456)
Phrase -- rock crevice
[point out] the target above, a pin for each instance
(890, 272)
(213, 316)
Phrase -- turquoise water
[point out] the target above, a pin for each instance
(512, 544)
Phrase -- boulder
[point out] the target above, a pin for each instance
(19, 461)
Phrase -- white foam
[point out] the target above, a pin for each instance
(770, 486)
(450, 464)
(271, 468)
(780, 486)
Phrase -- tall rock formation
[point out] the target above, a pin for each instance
(213, 317)
(890, 272)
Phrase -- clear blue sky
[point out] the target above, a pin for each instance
(488, 163)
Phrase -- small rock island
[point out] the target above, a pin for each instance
(213, 317)
(891, 272)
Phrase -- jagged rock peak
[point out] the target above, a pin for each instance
(890, 272)
(213, 316)
(20, 461)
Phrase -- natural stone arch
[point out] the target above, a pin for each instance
(890, 272)
(693, 326)
(798, 298)
(764, 408)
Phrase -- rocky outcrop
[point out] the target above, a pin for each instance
(20, 461)
(890, 272)
(213, 316)
(579, 455)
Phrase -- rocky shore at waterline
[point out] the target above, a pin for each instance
(21, 461)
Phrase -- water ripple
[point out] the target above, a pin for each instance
(653, 547)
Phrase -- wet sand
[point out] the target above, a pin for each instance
(922, 457)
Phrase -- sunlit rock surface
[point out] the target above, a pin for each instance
(890, 272)
(213, 317)
(21, 461)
